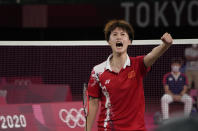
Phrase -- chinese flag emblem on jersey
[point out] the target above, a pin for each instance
(131, 74)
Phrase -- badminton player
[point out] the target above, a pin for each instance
(118, 82)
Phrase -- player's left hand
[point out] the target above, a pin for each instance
(167, 39)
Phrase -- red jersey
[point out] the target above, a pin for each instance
(121, 95)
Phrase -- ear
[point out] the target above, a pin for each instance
(109, 43)
(130, 42)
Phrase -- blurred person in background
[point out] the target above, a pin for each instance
(191, 55)
(3, 91)
(118, 81)
(175, 87)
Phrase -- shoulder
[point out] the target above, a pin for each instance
(137, 58)
(167, 75)
(100, 68)
(138, 61)
(183, 75)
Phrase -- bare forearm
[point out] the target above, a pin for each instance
(184, 90)
(93, 109)
(167, 91)
(150, 58)
(170, 93)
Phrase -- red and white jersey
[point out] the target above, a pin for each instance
(121, 94)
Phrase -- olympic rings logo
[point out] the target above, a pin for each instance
(73, 117)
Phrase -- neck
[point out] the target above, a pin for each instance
(176, 73)
(118, 60)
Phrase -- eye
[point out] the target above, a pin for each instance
(114, 34)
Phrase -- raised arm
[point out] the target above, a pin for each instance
(93, 109)
(151, 57)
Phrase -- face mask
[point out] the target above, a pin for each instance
(175, 68)
(195, 45)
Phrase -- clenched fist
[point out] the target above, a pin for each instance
(167, 39)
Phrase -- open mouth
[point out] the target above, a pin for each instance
(119, 44)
